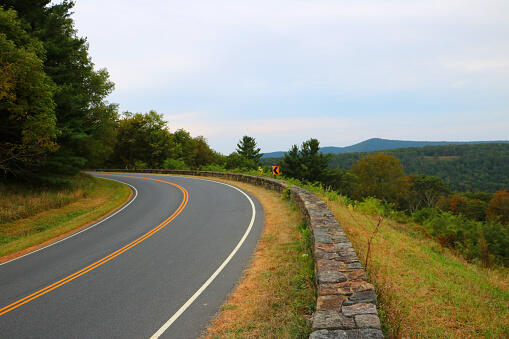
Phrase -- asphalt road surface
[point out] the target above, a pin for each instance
(161, 266)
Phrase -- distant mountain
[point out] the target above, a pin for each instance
(378, 144)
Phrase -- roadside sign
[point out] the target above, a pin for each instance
(275, 170)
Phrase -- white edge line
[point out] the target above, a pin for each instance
(83, 230)
(188, 303)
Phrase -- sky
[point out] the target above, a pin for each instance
(284, 71)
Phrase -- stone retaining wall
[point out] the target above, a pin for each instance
(346, 303)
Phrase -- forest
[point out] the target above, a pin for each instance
(479, 167)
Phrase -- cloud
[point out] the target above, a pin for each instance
(287, 70)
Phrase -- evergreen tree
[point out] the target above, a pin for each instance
(247, 149)
(307, 163)
(314, 164)
(290, 164)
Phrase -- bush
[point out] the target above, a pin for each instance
(487, 241)
(175, 164)
(374, 206)
(424, 214)
(138, 164)
(235, 160)
(213, 168)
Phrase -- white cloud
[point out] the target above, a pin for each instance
(334, 58)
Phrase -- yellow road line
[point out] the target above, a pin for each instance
(104, 260)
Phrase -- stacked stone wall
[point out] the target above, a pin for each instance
(346, 302)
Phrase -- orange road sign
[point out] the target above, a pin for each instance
(275, 170)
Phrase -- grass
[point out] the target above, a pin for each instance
(21, 201)
(33, 217)
(424, 290)
(276, 295)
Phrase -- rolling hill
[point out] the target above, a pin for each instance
(378, 144)
(470, 167)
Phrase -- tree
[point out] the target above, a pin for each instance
(314, 164)
(344, 182)
(464, 204)
(498, 208)
(424, 191)
(290, 164)
(236, 161)
(380, 176)
(27, 110)
(183, 147)
(143, 138)
(306, 163)
(203, 154)
(82, 114)
(247, 149)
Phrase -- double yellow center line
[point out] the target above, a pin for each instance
(104, 260)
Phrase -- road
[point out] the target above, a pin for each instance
(158, 267)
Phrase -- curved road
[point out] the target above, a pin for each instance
(139, 273)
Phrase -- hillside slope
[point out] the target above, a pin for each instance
(473, 167)
(378, 144)
(482, 167)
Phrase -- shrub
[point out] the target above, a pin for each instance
(175, 164)
(138, 164)
(213, 168)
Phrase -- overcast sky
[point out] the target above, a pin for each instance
(284, 71)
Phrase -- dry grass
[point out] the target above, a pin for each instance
(276, 295)
(425, 291)
(55, 214)
(21, 201)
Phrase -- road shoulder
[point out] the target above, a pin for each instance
(276, 295)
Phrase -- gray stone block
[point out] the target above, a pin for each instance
(347, 334)
(368, 296)
(367, 321)
(331, 320)
(361, 308)
(331, 277)
(322, 237)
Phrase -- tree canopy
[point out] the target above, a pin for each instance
(247, 148)
(27, 110)
(73, 98)
(380, 176)
(499, 207)
(305, 163)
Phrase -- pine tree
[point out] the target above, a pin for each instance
(247, 149)
(306, 163)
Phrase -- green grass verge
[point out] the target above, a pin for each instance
(425, 290)
(42, 215)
